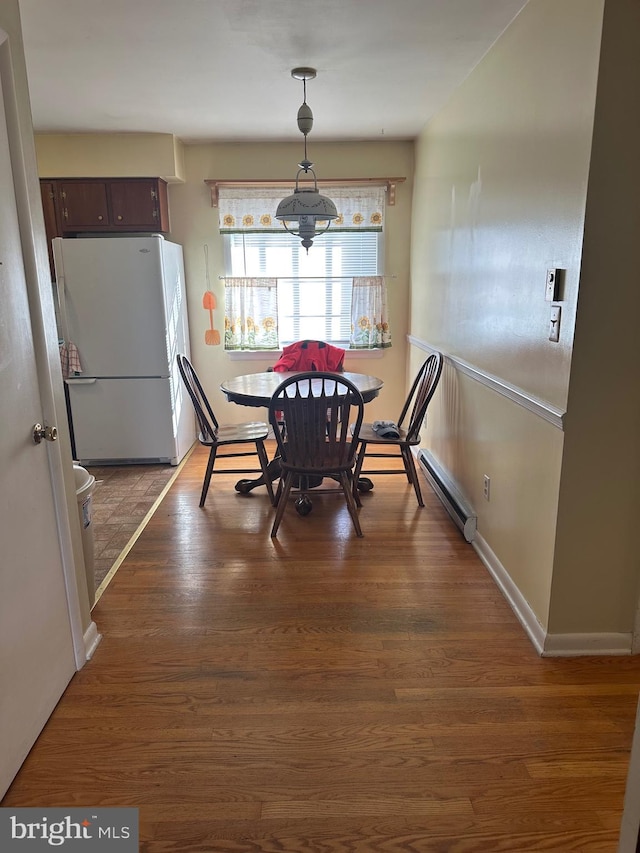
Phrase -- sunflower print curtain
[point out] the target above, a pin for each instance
(369, 315)
(251, 314)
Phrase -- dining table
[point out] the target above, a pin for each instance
(256, 390)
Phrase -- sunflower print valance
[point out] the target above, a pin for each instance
(253, 209)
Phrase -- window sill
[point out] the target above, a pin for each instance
(274, 354)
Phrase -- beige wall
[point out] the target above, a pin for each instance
(115, 155)
(501, 176)
(596, 564)
(500, 195)
(474, 431)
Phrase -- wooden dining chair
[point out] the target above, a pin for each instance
(309, 355)
(408, 426)
(213, 435)
(317, 409)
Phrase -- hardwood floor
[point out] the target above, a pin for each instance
(324, 693)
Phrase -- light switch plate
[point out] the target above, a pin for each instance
(551, 287)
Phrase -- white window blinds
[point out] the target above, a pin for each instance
(315, 289)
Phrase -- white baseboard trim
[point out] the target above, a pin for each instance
(516, 600)
(575, 645)
(546, 644)
(91, 640)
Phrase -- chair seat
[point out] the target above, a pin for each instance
(368, 434)
(233, 433)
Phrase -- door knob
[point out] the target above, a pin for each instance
(49, 433)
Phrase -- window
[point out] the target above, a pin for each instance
(314, 289)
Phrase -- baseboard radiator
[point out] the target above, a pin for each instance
(462, 514)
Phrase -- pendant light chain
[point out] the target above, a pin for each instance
(305, 208)
(304, 101)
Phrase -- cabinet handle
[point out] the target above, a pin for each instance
(100, 218)
(65, 213)
(155, 213)
(119, 218)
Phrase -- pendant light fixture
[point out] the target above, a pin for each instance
(301, 211)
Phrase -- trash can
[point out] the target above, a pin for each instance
(84, 490)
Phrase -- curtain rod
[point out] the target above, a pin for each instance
(307, 277)
(388, 183)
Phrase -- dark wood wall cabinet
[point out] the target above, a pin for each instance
(112, 204)
(75, 206)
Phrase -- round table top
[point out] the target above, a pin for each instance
(256, 389)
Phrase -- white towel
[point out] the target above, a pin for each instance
(69, 360)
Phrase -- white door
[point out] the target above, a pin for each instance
(36, 648)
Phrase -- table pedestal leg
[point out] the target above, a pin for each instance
(245, 486)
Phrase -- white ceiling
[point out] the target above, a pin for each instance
(220, 69)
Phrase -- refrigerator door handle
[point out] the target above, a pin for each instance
(60, 290)
(74, 381)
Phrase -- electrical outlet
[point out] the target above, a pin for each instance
(486, 488)
(554, 323)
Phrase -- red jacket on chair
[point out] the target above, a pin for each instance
(310, 355)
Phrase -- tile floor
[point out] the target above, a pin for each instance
(122, 497)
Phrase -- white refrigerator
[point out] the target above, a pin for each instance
(122, 302)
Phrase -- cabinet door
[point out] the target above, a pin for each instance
(137, 204)
(83, 205)
(48, 194)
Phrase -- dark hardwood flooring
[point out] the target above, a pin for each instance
(322, 693)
